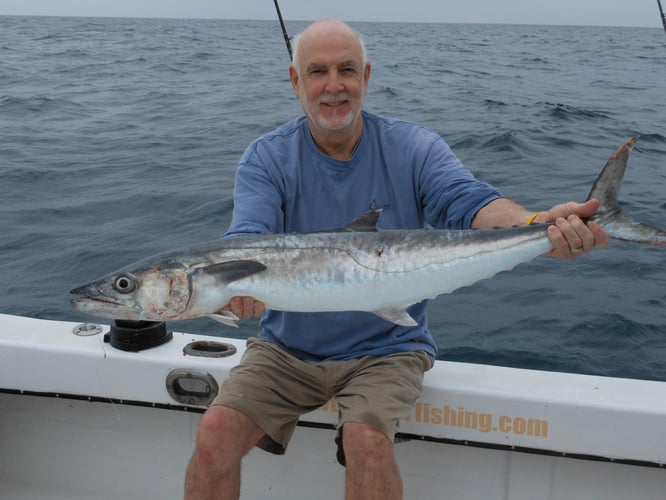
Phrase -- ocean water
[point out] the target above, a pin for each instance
(119, 139)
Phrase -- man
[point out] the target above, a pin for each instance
(318, 173)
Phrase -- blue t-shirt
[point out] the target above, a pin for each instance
(284, 183)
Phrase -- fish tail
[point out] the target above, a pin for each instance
(606, 189)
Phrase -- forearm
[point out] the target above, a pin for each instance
(501, 212)
(570, 236)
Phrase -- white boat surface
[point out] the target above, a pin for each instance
(81, 419)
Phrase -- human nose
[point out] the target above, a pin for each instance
(334, 82)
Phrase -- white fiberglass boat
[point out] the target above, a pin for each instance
(81, 418)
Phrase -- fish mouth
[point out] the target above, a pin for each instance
(98, 304)
(89, 300)
(90, 294)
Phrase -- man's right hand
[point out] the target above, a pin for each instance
(245, 307)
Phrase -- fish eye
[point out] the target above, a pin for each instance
(124, 284)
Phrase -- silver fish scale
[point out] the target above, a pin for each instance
(384, 251)
(377, 270)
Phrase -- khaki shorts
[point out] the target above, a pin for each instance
(273, 388)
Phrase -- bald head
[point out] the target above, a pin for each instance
(331, 32)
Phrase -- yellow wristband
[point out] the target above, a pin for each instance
(532, 217)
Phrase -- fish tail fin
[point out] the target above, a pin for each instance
(606, 189)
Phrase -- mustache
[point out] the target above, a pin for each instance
(333, 99)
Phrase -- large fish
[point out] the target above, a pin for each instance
(358, 268)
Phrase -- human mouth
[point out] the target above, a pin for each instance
(334, 102)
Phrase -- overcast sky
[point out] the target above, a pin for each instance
(582, 12)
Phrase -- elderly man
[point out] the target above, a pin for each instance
(318, 172)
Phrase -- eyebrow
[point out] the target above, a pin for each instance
(317, 66)
(314, 66)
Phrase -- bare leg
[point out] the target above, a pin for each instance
(372, 472)
(225, 436)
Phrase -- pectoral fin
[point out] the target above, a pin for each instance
(226, 318)
(397, 316)
(234, 270)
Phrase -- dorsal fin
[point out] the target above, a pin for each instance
(366, 222)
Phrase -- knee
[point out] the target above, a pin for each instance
(213, 426)
(366, 446)
(210, 435)
(224, 432)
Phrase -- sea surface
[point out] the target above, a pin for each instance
(119, 139)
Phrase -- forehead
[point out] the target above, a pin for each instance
(329, 45)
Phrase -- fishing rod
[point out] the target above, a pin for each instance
(284, 29)
(663, 16)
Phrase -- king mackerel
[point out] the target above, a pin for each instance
(358, 268)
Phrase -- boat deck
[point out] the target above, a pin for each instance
(81, 420)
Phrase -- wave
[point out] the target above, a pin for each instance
(164, 67)
(36, 104)
(518, 358)
(568, 112)
(495, 142)
(388, 91)
(492, 103)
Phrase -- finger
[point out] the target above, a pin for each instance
(564, 210)
(601, 237)
(235, 305)
(560, 245)
(583, 234)
(259, 309)
(248, 307)
(587, 209)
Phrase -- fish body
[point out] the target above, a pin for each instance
(359, 268)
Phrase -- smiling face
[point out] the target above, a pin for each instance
(330, 77)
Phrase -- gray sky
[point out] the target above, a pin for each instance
(581, 12)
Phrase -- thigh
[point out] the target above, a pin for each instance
(383, 390)
(273, 388)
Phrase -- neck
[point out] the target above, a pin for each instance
(339, 144)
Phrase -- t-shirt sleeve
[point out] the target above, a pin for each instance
(258, 206)
(450, 194)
